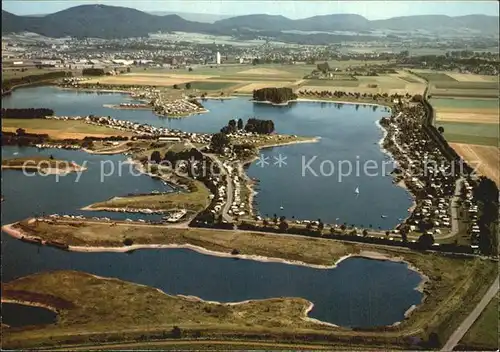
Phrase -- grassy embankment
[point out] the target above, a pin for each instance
(483, 335)
(455, 286)
(59, 129)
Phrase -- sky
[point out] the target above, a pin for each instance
(372, 10)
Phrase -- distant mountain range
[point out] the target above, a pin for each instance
(102, 21)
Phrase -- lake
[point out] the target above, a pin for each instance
(359, 292)
(318, 179)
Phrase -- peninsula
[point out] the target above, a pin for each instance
(46, 165)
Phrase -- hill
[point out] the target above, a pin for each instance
(98, 21)
(102, 21)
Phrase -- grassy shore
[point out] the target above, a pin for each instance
(42, 164)
(195, 200)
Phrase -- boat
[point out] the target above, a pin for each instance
(281, 207)
(383, 216)
(356, 190)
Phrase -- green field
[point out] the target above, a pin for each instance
(58, 127)
(436, 76)
(207, 85)
(464, 103)
(483, 335)
(409, 79)
(257, 78)
(466, 85)
(331, 83)
(471, 133)
(465, 93)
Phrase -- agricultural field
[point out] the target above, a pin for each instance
(486, 158)
(389, 84)
(470, 133)
(211, 85)
(59, 129)
(258, 85)
(436, 77)
(466, 110)
(331, 83)
(460, 85)
(164, 80)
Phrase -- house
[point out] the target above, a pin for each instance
(169, 139)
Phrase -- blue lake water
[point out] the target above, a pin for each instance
(359, 292)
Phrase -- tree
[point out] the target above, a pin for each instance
(441, 129)
(176, 332)
(128, 69)
(176, 86)
(188, 85)
(218, 142)
(51, 157)
(240, 124)
(128, 242)
(324, 67)
(156, 156)
(20, 131)
(283, 226)
(417, 98)
(190, 69)
(425, 241)
(365, 233)
(321, 225)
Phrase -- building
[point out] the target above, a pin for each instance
(169, 139)
(217, 58)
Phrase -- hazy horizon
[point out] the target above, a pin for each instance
(371, 10)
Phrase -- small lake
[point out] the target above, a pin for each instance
(19, 315)
(359, 292)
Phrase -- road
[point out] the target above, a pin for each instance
(229, 182)
(459, 333)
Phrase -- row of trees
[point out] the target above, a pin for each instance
(259, 126)
(26, 113)
(274, 95)
(486, 193)
(232, 126)
(253, 125)
(8, 84)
